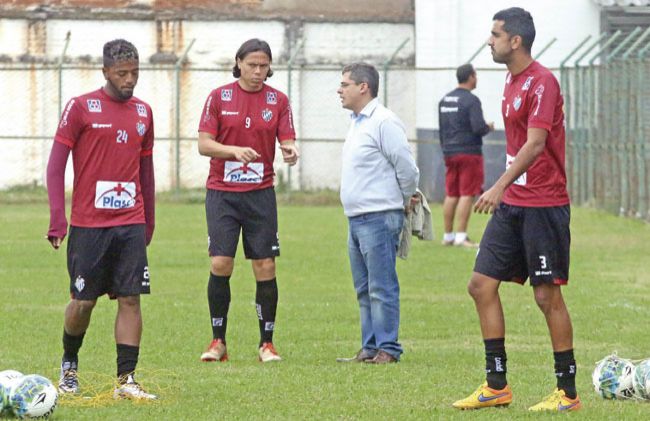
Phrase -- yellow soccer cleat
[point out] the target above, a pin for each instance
(557, 401)
(485, 397)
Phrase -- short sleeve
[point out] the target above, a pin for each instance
(71, 124)
(210, 115)
(543, 100)
(285, 122)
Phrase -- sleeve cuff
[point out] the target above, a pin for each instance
(146, 152)
(64, 141)
(539, 125)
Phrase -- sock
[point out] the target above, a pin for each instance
(449, 236)
(219, 303)
(71, 345)
(460, 237)
(565, 371)
(266, 300)
(127, 359)
(495, 363)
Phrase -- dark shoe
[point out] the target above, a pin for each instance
(382, 357)
(362, 355)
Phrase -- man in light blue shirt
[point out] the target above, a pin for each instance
(378, 178)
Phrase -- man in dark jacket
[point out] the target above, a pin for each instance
(462, 128)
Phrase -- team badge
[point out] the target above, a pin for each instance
(271, 98)
(516, 103)
(226, 94)
(267, 115)
(142, 110)
(94, 106)
(527, 83)
(79, 283)
(140, 127)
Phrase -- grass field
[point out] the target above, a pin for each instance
(318, 321)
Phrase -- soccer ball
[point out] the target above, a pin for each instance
(613, 376)
(7, 379)
(33, 396)
(641, 379)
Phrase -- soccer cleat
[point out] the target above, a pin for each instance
(268, 353)
(216, 351)
(557, 401)
(129, 389)
(68, 382)
(485, 397)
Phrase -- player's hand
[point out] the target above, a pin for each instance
(489, 200)
(245, 154)
(415, 199)
(290, 153)
(491, 125)
(54, 241)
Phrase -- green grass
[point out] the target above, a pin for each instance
(318, 321)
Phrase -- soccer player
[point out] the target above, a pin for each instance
(528, 234)
(462, 128)
(238, 130)
(110, 133)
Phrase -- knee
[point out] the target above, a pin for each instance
(480, 286)
(222, 266)
(474, 288)
(83, 307)
(130, 302)
(546, 300)
(264, 268)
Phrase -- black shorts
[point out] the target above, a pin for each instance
(253, 212)
(109, 261)
(526, 242)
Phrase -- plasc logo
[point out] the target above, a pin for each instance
(236, 172)
(114, 195)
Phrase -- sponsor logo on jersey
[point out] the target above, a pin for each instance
(267, 115)
(271, 98)
(236, 172)
(527, 83)
(64, 119)
(79, 283)
(140, 127)
(142, 110)
(290, 116)
(451, 99)
(229, 112)
(206, 115)
(521, 181)
(226, 95)
(101, 126)
(448, 109)
(114, 194)
(539, 92)
(94, 105)
(516, 103)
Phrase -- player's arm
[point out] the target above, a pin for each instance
(208, 146)
(533, 147)
(148, 188)
(56, 193)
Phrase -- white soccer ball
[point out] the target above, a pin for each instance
(613, 377)
(33, 396)
(641, 381)
(7, 380)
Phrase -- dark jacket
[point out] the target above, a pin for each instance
(462, 126)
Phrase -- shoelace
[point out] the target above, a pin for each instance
(70, 378)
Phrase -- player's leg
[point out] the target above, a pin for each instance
(223, 236)
(463, 212)
(261, 245)
(470, 185)
(452, 194)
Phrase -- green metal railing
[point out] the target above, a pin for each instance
(607, 107)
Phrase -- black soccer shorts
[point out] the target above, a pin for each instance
(526, 242)
(254, 213)
(109, 261)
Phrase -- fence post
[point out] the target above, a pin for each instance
(60, 70)
(177, 74)
(294, 54)
(388, 63)
(644, 210)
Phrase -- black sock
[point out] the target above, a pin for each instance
(71, 345)
(495, 363)
(219, 303)
(266, 300)
(127, 359)
(565, 371)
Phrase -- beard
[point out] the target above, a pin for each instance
(122, 95)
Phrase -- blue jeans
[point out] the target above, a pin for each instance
(372, 245)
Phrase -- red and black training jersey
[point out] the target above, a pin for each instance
(107, 138)
(532, 99)
(250, 119)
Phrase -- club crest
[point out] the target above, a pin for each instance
(267, 115)
(140, 127)
(516, 103)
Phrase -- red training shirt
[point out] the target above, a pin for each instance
(107, 138)
(251, 119)
(532, 99)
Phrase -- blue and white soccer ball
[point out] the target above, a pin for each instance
(641, 381)
(7, 380)
(613, 378)
(33, 396)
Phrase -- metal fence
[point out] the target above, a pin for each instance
(607, 102)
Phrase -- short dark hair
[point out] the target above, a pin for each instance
(251, 46)
(119, 50)
(517, 21)
(464, 72)
(364, 73)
